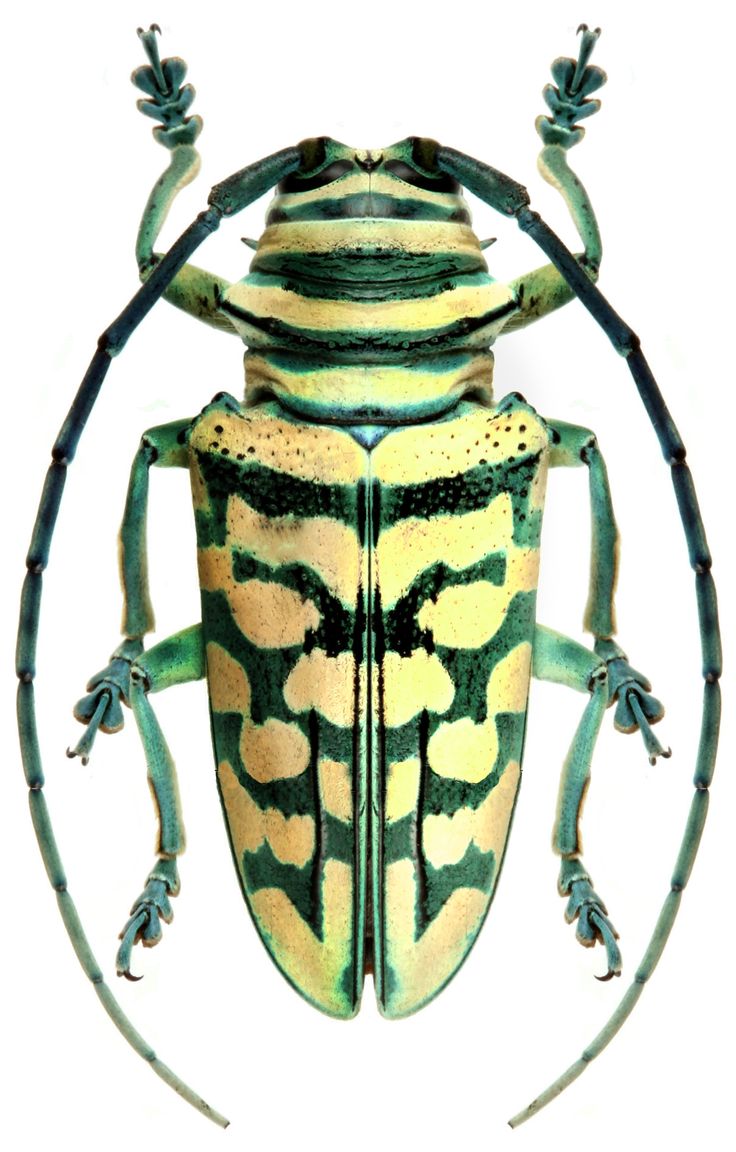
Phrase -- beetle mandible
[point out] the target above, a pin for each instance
(414, 635)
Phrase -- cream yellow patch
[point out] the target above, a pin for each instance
(228, 683)
(423, 966)
(405, 549)
(446, 839)
(336, 789)
(326, 546)
(462, 750)
(270, 615)
(215, 569)
(291, 838)
(200, 500)
(465, 615)
(402, 789)
(491, 832)
(325, 683)
(309, 451)
(508, 684)
(413, 683)
(423, 452)
(469, 615)
(274, 750)
(522, 568)
(315, 968)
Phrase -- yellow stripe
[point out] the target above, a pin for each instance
(375, 385)
(375, 316)
(433, 236)
(303, 450)
(423, 452)
(315, 968)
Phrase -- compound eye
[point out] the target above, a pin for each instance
(442, 182)
(306, 178)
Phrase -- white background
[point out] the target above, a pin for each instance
(80, 163)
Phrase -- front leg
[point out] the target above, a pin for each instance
(167, 100)
(544, 290)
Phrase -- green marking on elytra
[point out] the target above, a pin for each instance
(470, 668)
(293, 796)
(401, 632)
(262, 869)
(475, 870)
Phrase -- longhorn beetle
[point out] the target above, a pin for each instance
(373, 688)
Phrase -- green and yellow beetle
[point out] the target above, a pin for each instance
(368, 527)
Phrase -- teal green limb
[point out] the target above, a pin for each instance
(545, 289)
(83, 951)
(695, 823)
(177, 660)
(554, 167)
(183, 167)
(563, 661)
(193, 290)
(164, 447)
(573, 446)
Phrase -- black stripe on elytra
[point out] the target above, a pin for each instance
(318, 859)
(420, 863)
(475, 870)
(402, 631)
(271, 492)
(337, 628)
(262, 869)
(361, 511)
(465, 492)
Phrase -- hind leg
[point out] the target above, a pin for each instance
(177, 660)
(564, 661)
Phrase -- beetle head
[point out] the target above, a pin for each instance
(369, 257)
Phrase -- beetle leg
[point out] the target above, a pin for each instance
(176, 660)
(545, 289)
(101, 709)
(564, 661)
(636, 708)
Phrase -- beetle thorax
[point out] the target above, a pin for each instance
(369, 296)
